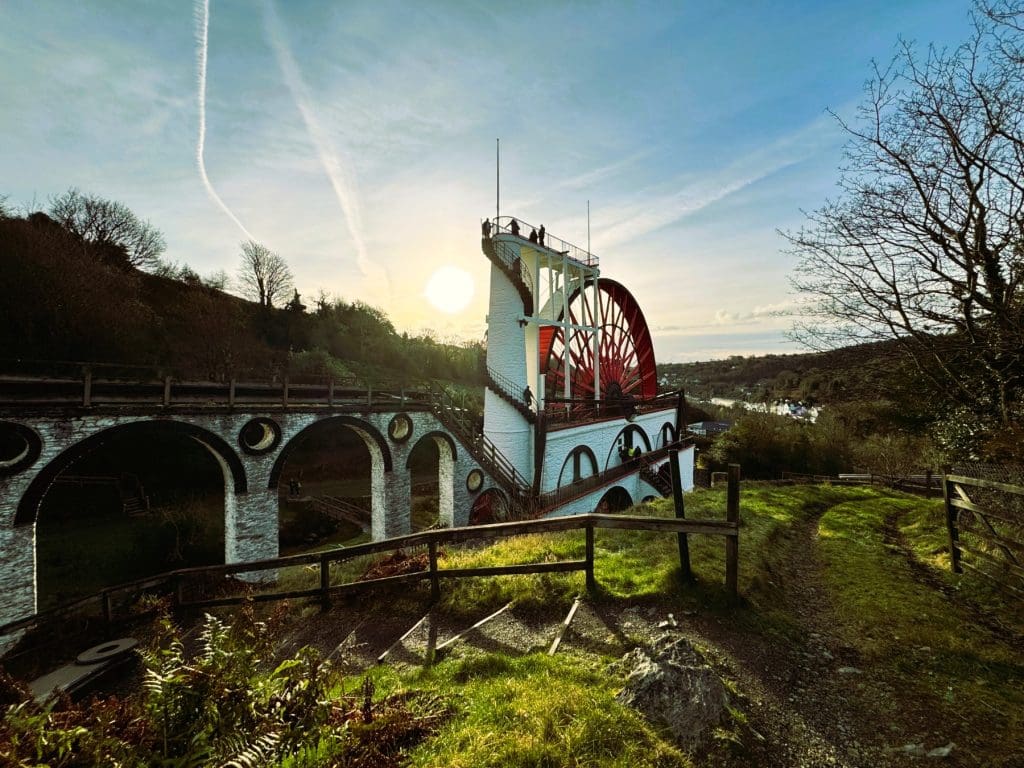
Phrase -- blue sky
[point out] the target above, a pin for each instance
(357, 138)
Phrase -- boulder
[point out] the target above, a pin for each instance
(673, 686)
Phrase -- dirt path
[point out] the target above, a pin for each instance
(796, 672)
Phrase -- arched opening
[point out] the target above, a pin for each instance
(128, 502)
(668, 435)
(491, 506)
(628, 444)
(431, 468)
(578, 465)
(617, 499)
(330, 484)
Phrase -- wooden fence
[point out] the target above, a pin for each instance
(925, 483)
(183, 584)
(985, 521)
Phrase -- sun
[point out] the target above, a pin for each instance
(449, 289)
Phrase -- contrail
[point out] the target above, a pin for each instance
(202, 14)
(341, 181)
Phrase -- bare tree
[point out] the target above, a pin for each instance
(263, 275)
(925, 244)
(112, 226)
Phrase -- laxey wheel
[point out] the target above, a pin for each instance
(626, 351)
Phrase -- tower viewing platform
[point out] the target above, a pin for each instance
(516, 227)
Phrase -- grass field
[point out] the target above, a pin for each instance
(921, 655)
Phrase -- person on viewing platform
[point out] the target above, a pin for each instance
(514, 227)
(486, 228)
(540, 235)
(533, 236)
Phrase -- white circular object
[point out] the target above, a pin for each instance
(106, 651)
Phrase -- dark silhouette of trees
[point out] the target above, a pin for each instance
(116, 233)
(925, 244)
(263, 275)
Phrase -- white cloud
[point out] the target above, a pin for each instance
(660, 209)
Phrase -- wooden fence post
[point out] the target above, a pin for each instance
(330, 393)
(435, 584)
(284, 392)
(954, 534)
(87, 388)
(732, 543)
(167, 390)
(231, 393)
(677, 498)
(325, 583)
(107, 611)
(591, 581)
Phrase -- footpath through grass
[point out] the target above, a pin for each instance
(929, 648)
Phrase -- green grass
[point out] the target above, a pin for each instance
(907, 630)
(533, 711)
(640, 565)
(924, 528)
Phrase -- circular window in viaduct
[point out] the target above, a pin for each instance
(260, 435)
(400, 428)
(474, 481)
(19, 447)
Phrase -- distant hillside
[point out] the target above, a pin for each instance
(862, 372)
(64, 298)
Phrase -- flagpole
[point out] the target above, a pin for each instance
(588, 227)
(497, 182)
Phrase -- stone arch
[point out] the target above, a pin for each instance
(573, 464)
(627, 438)
(369, 433)
(380, 463)
(231, 466)
(440, 438)
(615, 499)
(446, 457)
(668, 435)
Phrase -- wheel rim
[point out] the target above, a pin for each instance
(626, 350)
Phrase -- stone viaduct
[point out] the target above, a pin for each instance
(251, 440)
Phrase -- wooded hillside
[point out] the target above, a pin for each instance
(64, 297)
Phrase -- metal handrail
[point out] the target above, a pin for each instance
(502, 225)
(515, 265)
(478, 444)
(504, 386)
(559, 496)
(561, 410)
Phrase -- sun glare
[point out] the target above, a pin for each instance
(449, 289)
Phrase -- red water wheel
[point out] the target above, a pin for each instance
(626, 351)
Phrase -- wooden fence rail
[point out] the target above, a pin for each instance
(996, 548)
(179, 581)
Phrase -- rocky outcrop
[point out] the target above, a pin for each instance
(672, 686)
